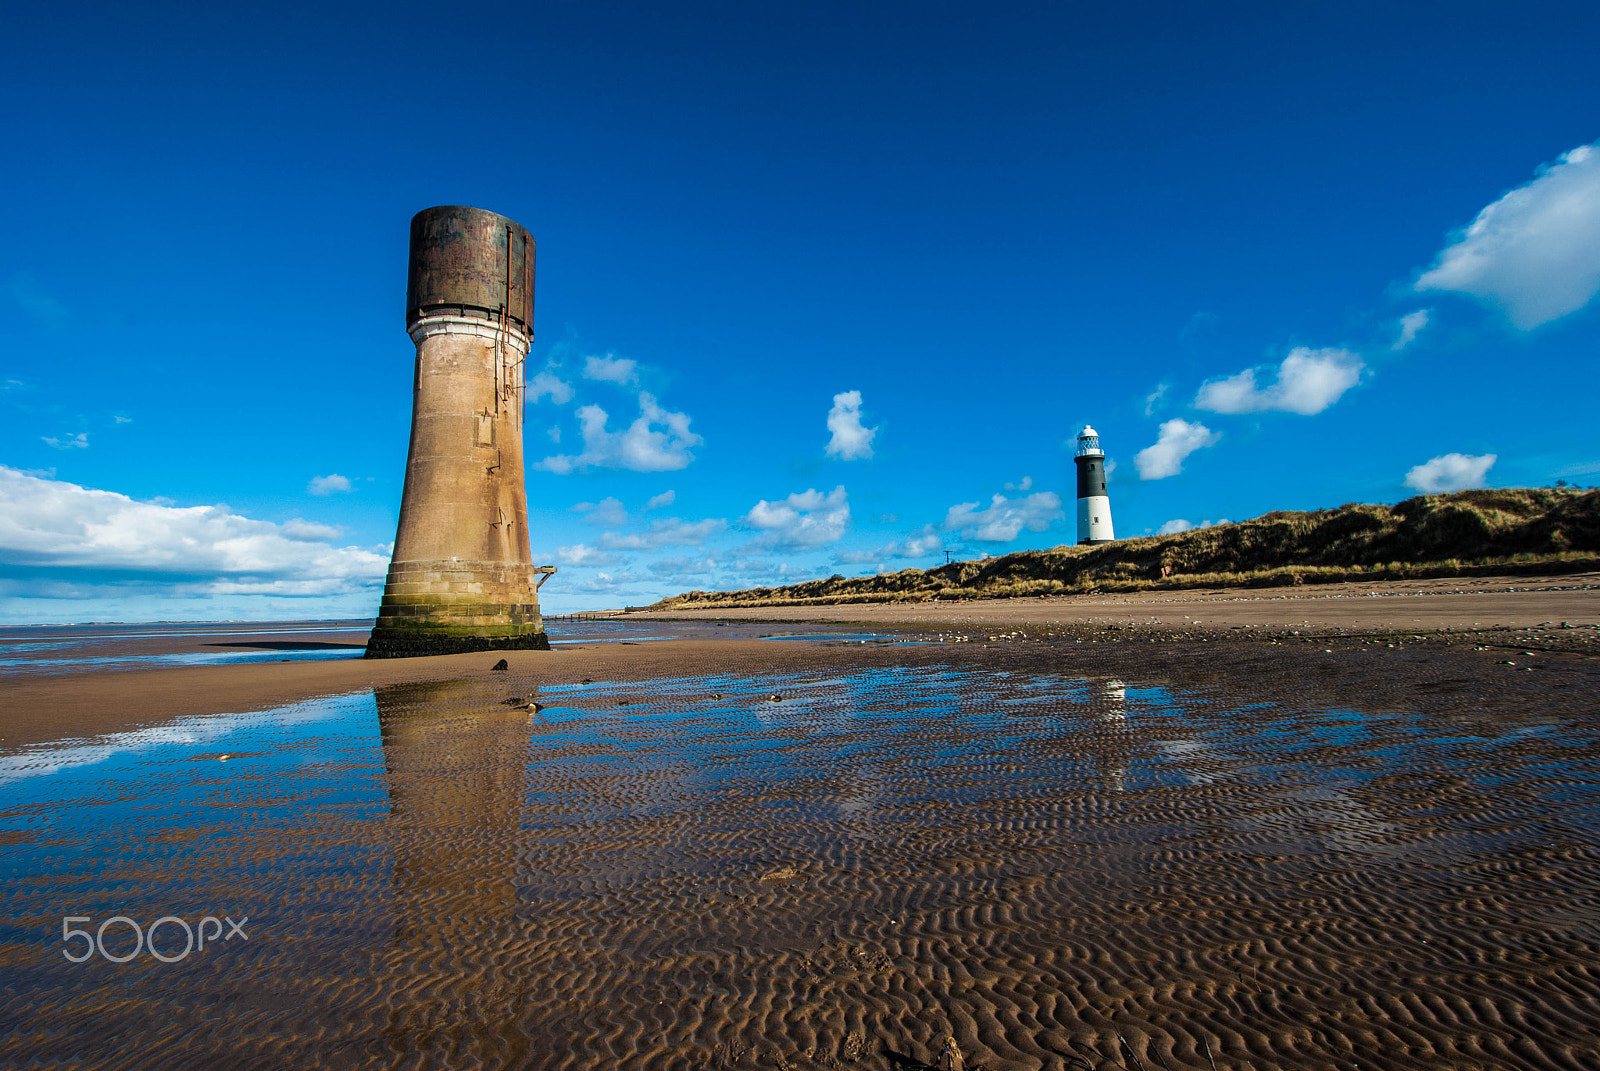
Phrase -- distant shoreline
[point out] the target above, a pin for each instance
(1499, 532)
(1478, 624)
(318, 623)
(1283, 577)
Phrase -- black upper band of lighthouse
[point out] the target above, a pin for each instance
(472, 260)
(1091, 476)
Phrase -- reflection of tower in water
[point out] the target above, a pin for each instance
(1108, 701)
(455, 767)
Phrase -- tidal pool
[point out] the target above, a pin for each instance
(836, 868)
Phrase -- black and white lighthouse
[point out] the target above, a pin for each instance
(1094, 507)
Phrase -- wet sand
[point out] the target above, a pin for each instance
(1503, 616)
(1261, 848)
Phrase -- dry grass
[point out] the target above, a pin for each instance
(1488, 532)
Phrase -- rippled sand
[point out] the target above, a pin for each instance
(837, 867)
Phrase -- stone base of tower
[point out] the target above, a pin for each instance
(452, 607)
(418, 642)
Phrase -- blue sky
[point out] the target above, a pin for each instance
(821, 281)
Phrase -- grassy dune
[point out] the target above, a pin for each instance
(1516, 530)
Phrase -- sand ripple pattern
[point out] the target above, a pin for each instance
(826, 870)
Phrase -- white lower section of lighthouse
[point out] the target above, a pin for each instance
(1094, 519)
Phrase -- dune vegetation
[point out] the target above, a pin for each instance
(1468, 533)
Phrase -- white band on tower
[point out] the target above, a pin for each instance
(472, 326)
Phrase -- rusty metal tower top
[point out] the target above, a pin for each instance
(471, 260)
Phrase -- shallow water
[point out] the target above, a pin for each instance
(823, 869)
(63, 664)
(44, 650)
(47, 650)
(845, 638)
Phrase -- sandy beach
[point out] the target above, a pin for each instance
(1418, 605)
(1339, 829)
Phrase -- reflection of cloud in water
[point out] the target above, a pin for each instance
(1318, 818)
(42, 760)
(1307, 812)
(1189, 756)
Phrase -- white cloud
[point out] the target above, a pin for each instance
(1024, 484)
(118, 418)
(1410, 324)
(806, 519)
(547, 382)
(309, 531)
(1536, 251)
(1308, 381)
(607, 512)
(611, 369)
(582, 554)
(851, 441)
(665, 498)
(1005, 518)
(641, 448)
(1155, 398)
(79, 441)
(669, 531)
(923, 544)
(607, 583)
(57, 532)
(1173, 527)
(920, 546)
(680, 569)
(554, 433)
(327, 485)
(1176, 441)
(1450, 472)
(762, 570)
